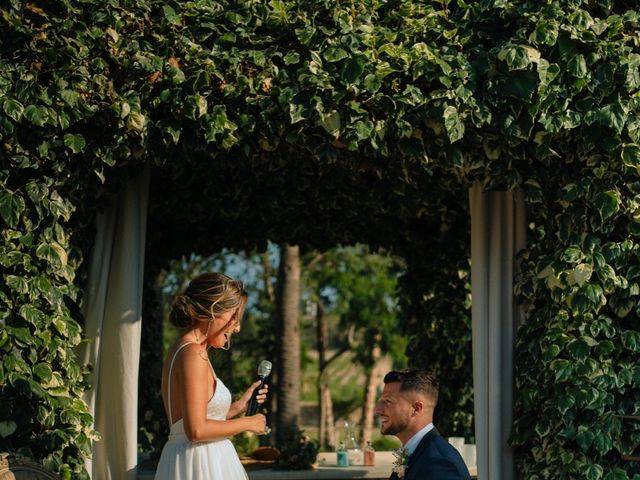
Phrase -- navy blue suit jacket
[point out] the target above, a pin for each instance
(435, 459)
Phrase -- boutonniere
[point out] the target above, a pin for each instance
(400, 463)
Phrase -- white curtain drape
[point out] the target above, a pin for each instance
(113, 310)
(498, 232)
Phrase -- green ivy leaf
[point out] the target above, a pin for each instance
(593, 292)
(631, 340)
(43, 372)
(372, 83)
(13, 109)
(550, 351)
(622, 305)
(291, 58)
(612, 116)
(577, 66)
(572, 254)
(453, 124)
(71, 97)
(565, 402)
(567, 458)
(74, 142)
(594, 472)
(584, 439)
(605, 348)
(607, 203)
(521, 84)
(547, 72)
(297, 112)
(136, 122)
(36, 388)
(515, 56)
(36, 115)
(546, 32)
(53, 253)
(61, 327)
(334, 54)
(616, 474)
(578, 349)
(631, 155)
(562, 369)
(17, 283)
(363, 129)
(37, 191)
(580, 274)
(20, 333)
(63, 120)
(331, 123)
(11, 207)
(170, 14)
(58, 207)
(353, 69)
(31, 314)
(7, 427)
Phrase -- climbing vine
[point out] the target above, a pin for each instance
(248, 108)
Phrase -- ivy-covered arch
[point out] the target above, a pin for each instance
(419, 98)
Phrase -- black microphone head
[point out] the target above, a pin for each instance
(264, 369)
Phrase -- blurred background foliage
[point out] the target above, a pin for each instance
(325, 123)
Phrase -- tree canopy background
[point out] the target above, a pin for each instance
(400, 105)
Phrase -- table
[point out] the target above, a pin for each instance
(327, 469)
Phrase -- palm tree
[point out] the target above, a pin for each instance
(288, 344)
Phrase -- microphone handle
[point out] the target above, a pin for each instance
(252, 407)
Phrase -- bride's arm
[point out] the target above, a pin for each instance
(240, 406)
(194, 396)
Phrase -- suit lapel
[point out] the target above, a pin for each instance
(433, 433)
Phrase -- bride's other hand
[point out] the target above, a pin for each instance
(262, 394)
(257, 423)
(240, 406)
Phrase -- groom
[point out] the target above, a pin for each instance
(406, 411)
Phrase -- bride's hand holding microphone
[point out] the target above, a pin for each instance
(258, 424)
(257, 394)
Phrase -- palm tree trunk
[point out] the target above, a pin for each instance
(271, 405)
(288, 339)
(373, 380)
(326, 425)
(329, 421)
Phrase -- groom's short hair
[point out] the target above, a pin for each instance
(419, 381)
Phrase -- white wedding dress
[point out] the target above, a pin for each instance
(182, 459)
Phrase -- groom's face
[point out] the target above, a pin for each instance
(394, 409)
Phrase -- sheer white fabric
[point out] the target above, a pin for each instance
(113, 313)
(498, 230)
(182, 459)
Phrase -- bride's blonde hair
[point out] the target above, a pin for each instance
(207, 296)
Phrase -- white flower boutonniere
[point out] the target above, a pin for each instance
(400, 463)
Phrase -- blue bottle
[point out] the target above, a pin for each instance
(342, 457)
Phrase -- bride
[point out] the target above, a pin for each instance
(197, 403)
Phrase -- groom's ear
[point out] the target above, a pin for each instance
(418, 407)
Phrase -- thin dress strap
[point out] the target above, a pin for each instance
(173, 359)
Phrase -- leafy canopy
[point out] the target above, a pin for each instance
(410, 98)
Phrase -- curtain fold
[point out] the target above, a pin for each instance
(113, 312)
(498, 232)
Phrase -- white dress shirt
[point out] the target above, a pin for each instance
(413, 442)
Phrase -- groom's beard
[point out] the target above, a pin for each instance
(397, 425)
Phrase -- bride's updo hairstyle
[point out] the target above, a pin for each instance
(207, 296)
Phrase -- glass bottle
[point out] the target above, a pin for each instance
(354, 452)
(369, 455)
(341, 456)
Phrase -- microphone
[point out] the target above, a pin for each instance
(264, 369)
